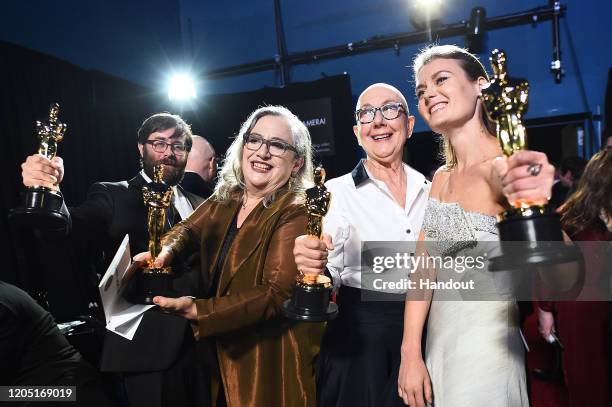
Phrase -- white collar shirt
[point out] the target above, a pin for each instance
(363, 209)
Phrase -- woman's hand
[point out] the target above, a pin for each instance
(413, 383)
(527, 177)
(163, 259)
(311, 253)
(183, 306)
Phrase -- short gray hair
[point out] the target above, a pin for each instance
(231, 179)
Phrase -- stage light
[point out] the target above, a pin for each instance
(181, 88)
(427, 3)
(425, 14)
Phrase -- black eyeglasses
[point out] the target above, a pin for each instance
(160, 146)
(389, 111)
(276, 148)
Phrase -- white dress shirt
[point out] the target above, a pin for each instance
(363, 209)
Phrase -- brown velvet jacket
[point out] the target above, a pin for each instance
(264, 359)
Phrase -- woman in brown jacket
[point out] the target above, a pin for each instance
(245, 233)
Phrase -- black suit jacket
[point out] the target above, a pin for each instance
(112, 210)
(195, 184)
(33, 351)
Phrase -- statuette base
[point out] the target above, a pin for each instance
(40, 208)
(310, 300)
(530, 237)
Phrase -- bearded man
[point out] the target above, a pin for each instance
(159, 366)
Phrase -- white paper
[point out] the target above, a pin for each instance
(128, 329)
(122, 317)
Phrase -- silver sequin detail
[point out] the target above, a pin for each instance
(450, 228)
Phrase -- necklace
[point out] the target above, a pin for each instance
(246, 203)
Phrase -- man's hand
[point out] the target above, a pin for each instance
(39, 171)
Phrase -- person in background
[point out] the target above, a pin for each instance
(606, 139)
(569, 173)
(582, 325)
(200, 169)
(33, 351)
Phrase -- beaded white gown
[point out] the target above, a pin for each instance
(474, 352)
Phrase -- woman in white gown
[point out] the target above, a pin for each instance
(474, 353)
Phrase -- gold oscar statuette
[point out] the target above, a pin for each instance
(50, 133)
(506, 100)
(158, 198)
(310, 299)
(533, 231)
(41, 206)
(154, 280)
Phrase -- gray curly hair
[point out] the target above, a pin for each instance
(231, 179)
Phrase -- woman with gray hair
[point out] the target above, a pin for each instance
(245, 233)
(231, 176)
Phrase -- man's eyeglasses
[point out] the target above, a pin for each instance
(389, 111)
(276, 148)
(161, 147)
